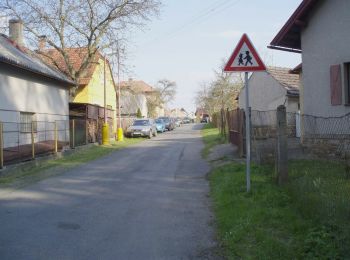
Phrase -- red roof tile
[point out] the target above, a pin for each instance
(76, 57)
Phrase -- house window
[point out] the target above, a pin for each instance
(26, 121)
(336, 85)
(347, 82)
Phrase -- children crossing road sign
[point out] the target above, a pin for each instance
(244, 58)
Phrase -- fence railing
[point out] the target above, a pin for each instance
(26, 141)
(330, 135)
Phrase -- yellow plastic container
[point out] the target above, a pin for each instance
(105, 134)
(120, 134)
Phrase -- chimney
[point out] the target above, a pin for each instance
(16, 31)
(42, 42)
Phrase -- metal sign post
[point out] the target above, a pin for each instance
(245, 59)
(247, 130)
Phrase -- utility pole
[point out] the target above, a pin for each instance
(120, 134)
(105, 127)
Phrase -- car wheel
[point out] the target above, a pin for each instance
(155, 134)
(150, 134)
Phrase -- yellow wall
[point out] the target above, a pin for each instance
(93, 93)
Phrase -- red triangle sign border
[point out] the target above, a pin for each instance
(230, 68)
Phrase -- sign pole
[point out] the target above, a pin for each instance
(245, 59)
(247, 130)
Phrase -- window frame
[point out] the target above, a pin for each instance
(346, 74)
(27, 119)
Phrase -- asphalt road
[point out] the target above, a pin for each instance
(148, 201)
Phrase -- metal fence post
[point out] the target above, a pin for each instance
(281, 156)
(73, 133)
(56, 137)
(1, 146)
(33, 144)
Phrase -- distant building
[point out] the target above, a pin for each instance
(134, 96)
(271, 88)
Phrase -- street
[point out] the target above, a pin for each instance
(148, 201)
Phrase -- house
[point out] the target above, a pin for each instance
(271, 88)
(96, 84)
(178, 112)
(134, 95)
(33, 95)
(200, 114)
(319, 31)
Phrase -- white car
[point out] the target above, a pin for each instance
(142, 127)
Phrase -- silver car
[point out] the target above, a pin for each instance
(142, 127)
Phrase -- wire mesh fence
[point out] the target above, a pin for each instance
(320, 136)
(24, 141)
(328, 137)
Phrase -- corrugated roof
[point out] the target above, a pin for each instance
(290, 82)
(137, 85)
(12, 54)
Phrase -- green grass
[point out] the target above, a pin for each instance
(22, 176)
(211, 137)
(306, 219)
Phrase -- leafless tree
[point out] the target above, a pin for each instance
(97, 25)
(163, 93)
(220, 93)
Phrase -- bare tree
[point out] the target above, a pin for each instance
(167, 90)
(97, 25)
(220, 93)
(163, 93)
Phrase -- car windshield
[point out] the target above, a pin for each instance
(159, 121)
(166, 119)
(141, 122)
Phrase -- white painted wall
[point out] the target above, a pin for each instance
(131, 102)
(265, 93)
(20, 91)
(325, 42)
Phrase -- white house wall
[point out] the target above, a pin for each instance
(325, 42)
(131, 102)
(23, 92)
(265, 93)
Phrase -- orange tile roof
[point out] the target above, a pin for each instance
(137, 85)
(285, 78)
(76, 57)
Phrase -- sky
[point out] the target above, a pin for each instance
(191, 38)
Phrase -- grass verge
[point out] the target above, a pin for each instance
(211, 137)
(307, 219)
(16, 177)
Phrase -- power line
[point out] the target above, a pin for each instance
(204, 15)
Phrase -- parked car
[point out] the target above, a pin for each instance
(178, 122)
(186, 120)
(160, 125)
(169, 124)
(205, 119)
(142, 127)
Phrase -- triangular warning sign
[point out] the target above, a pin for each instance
(244, 57)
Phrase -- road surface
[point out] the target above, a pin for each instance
(148, 201)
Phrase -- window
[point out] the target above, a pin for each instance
(336, 85)
(26, 121)
(347, 82)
